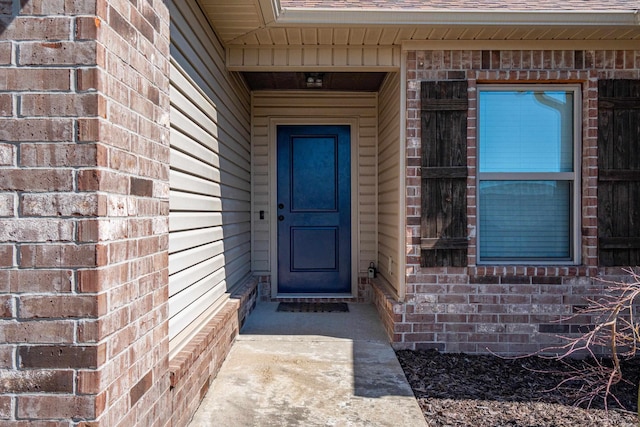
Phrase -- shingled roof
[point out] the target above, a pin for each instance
(579, 5)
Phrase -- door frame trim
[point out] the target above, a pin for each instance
(353, 122)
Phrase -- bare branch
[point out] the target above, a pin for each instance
(614, 332)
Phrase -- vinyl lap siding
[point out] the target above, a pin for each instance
(389, 192)
(297, 105)
(210, 187)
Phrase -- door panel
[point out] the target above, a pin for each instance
(314, 209)
(314, 161)
(322, 255)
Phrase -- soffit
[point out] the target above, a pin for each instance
(233, 18)
(395, 35)
(391, 22)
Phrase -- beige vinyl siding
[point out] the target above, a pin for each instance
(210, 179)
(305, 108)
(389, 188)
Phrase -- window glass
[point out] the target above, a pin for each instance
(521, 220)
(527, 176)
(526, 131)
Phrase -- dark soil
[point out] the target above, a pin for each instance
(457, 390)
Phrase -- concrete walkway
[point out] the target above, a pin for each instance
(310, 369)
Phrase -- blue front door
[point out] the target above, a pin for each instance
(314, 209)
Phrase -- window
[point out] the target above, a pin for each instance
(528, 173)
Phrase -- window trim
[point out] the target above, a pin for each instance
(573, 177)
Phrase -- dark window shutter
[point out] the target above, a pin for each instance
(619, 172)
(444, 174)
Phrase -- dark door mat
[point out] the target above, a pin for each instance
(313, 307)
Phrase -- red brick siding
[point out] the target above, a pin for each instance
(41, 157)
(131, 236)
(506, 309)
(83, 213)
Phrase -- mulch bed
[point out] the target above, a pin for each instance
(457, 390)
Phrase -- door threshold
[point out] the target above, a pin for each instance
(314, 296)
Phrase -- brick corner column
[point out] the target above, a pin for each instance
(84, 212)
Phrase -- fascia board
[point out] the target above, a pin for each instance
(270, 10)
(368, 17)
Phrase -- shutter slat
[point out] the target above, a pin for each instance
(619, 243)
(444, 173)
(446, 105)
(622, 103)
(619, 175)
(459, 243)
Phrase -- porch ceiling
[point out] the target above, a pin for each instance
(232, 19)
(358, 82)
(308, 23)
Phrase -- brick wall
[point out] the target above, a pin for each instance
(506, 309)
(83, 212)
